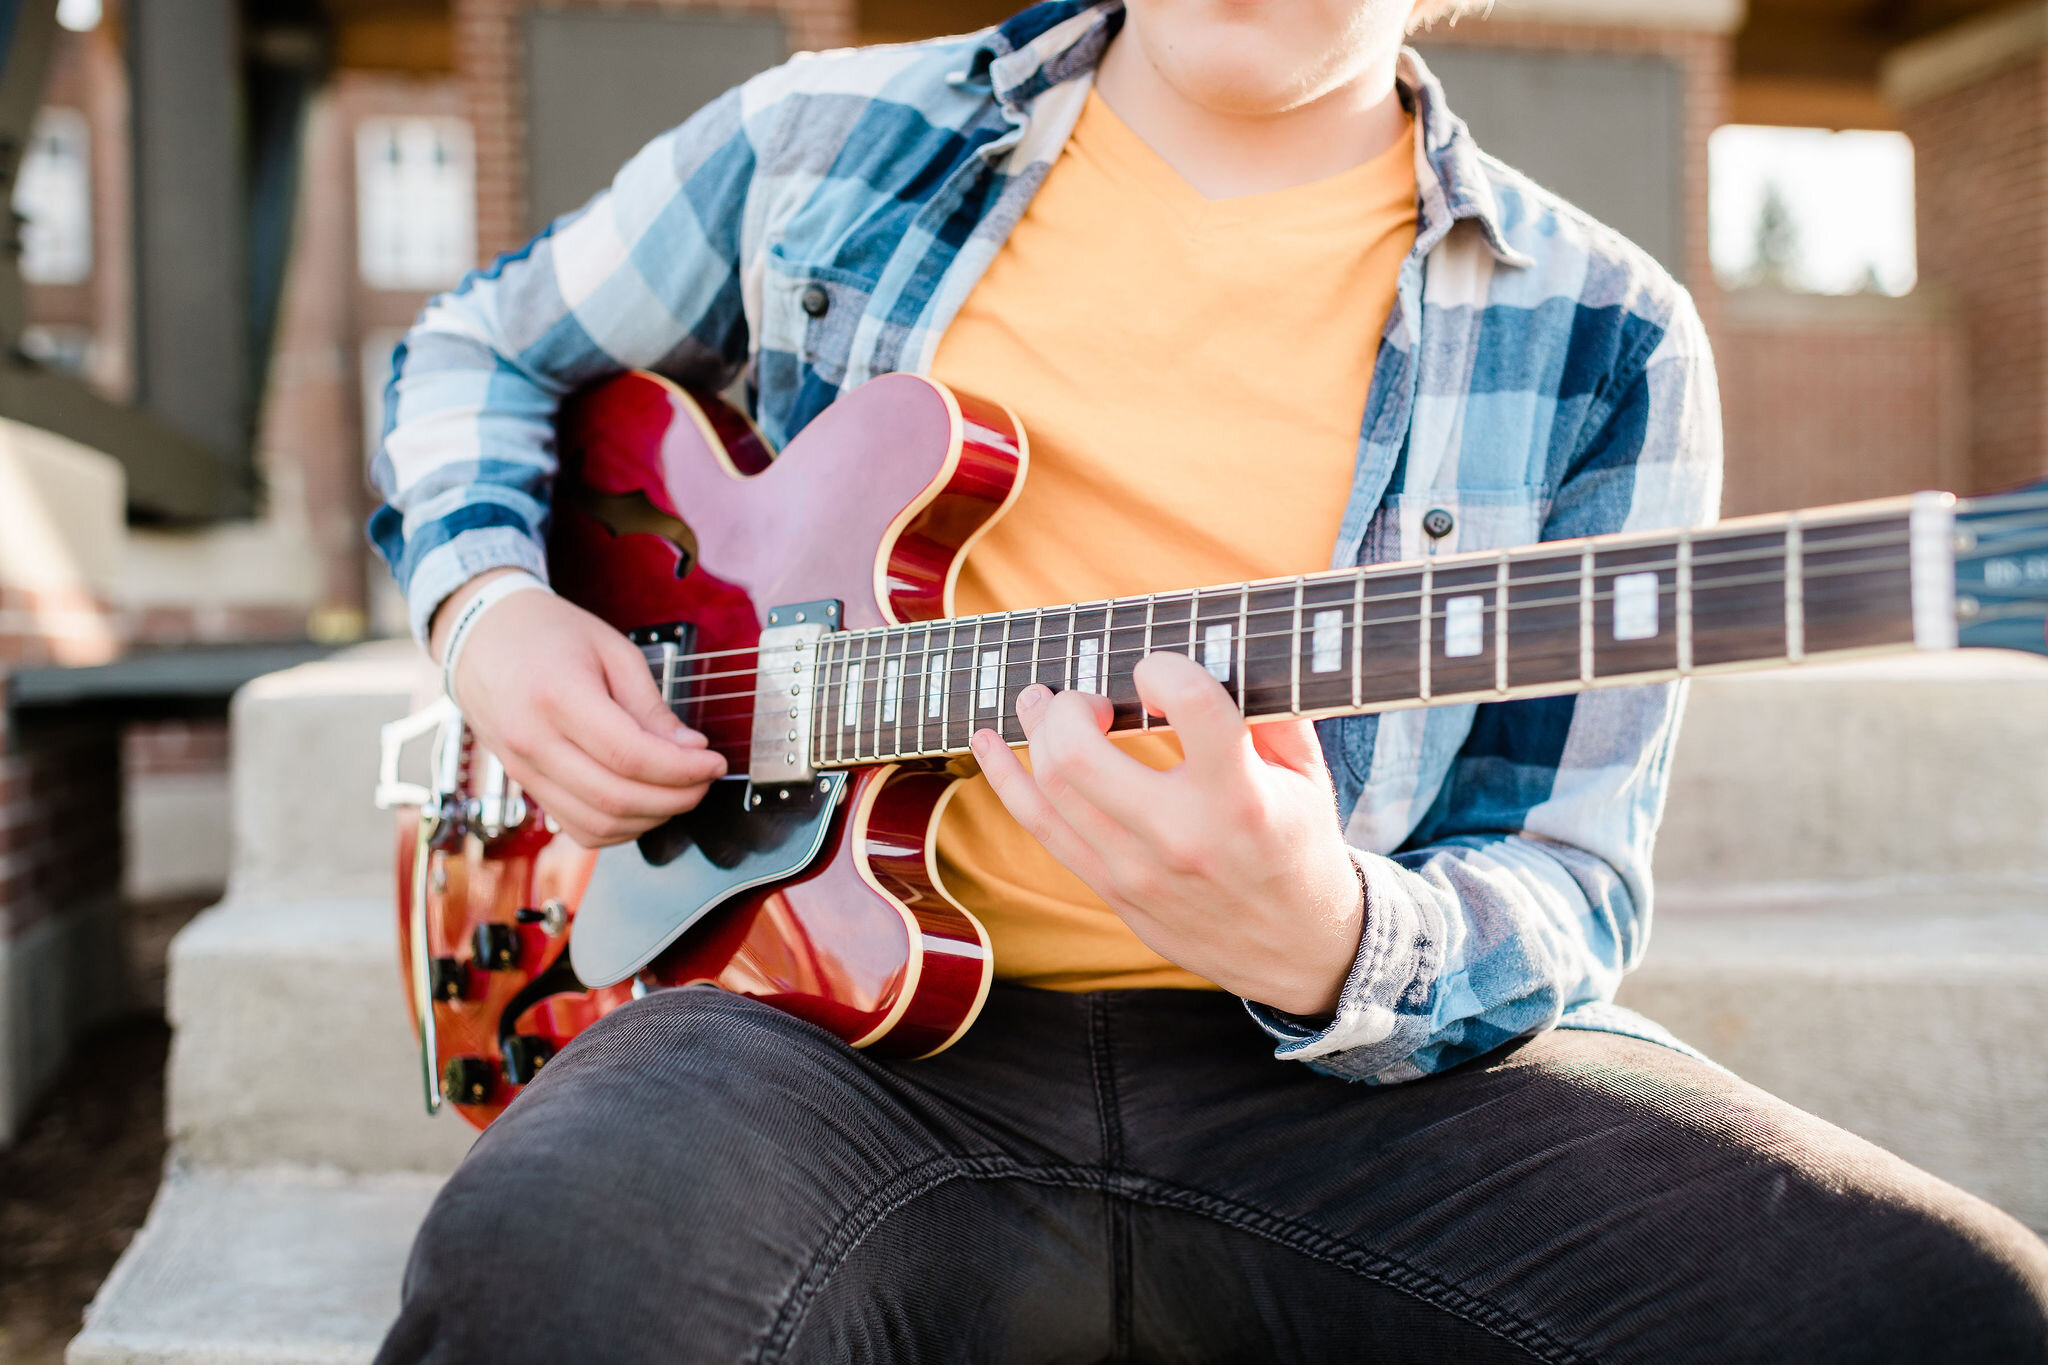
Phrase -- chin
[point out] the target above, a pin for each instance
(1252, 57)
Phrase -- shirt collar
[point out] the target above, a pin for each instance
(1052, 43)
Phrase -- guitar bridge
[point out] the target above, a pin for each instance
(785, 690)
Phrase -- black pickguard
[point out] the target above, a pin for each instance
(643, 895)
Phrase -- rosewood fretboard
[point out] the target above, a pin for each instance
(1532, 621)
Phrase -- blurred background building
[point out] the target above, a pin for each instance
(229, 210)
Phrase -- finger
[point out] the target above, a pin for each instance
(631, 684)
(606, 792)
(588, 827)
(1290, 744)
(1089, 780)
(1030, 808)
(1032, 702)
(1212, 731)
(597, 722)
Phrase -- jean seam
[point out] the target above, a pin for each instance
(1116, 1221)
(909, 1186)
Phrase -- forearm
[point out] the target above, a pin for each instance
(642, 277)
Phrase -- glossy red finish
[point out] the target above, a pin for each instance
(870, 506)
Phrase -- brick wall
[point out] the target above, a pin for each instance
(490, 57)
(175, 748)
(60, 808)
(1704, 58)
(1981, 154)
(1839, 399)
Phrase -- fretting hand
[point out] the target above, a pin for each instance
(569, 707)
(1231, 865)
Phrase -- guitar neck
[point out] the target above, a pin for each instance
(1541, 620)
(1537, 621)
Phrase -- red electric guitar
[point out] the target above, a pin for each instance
(796, 609)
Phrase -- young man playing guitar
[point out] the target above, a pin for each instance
(1189, 242)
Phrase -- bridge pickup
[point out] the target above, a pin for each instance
(785, 678)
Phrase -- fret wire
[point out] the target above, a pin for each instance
(846, 680)
(840, 714)
(1586, 614)
(1795, 593)
(1108, 618)
(1294, 671)
(1244, 604)
(1073, 644)
(1500, 624)
(946, 686)
(820, 690)
(1684, 601)
(1194, 621)
(1358, 639)
(1422, 661)
(860, 701)
(1037, 633)
(1144, 712)
(974, 681)
(902, 677)
(881, 686)
(860, 715)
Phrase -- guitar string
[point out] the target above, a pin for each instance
(1893, 535)
(890, 635)
(890, 640)
(736, 725)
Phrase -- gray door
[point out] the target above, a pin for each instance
(1605, 131)
(600, 85)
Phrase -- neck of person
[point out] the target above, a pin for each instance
(1227, 153)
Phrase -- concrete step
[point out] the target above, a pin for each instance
(1903, 1015)
(1912, 1017)
(292, 1042)
(1919, 766)
(303, 766)
(275, 1267)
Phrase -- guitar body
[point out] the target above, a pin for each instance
(672, 523)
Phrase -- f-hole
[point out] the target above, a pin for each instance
(634, 514)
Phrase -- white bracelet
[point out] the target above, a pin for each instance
(488, 596)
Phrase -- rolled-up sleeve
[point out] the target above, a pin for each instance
(1524, 891)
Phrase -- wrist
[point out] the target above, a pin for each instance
(443, 622)
(1314, 996)
(488, 591)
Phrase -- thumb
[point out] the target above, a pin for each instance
(1290, 744)
(631, 683)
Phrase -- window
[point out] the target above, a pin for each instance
(1812, 210)
(415, 202)
(54, 195)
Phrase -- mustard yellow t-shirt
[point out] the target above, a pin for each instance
(1191, 374)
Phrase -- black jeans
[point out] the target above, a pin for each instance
(1132, 1176)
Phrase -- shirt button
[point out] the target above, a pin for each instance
(1437, 523)
(816, 301)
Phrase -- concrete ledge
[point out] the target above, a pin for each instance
(1921, 766)
(1913, 1020)
(258, 1268)
(304, 768)
(292, 1042)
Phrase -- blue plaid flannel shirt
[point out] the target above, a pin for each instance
(1539, 378)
